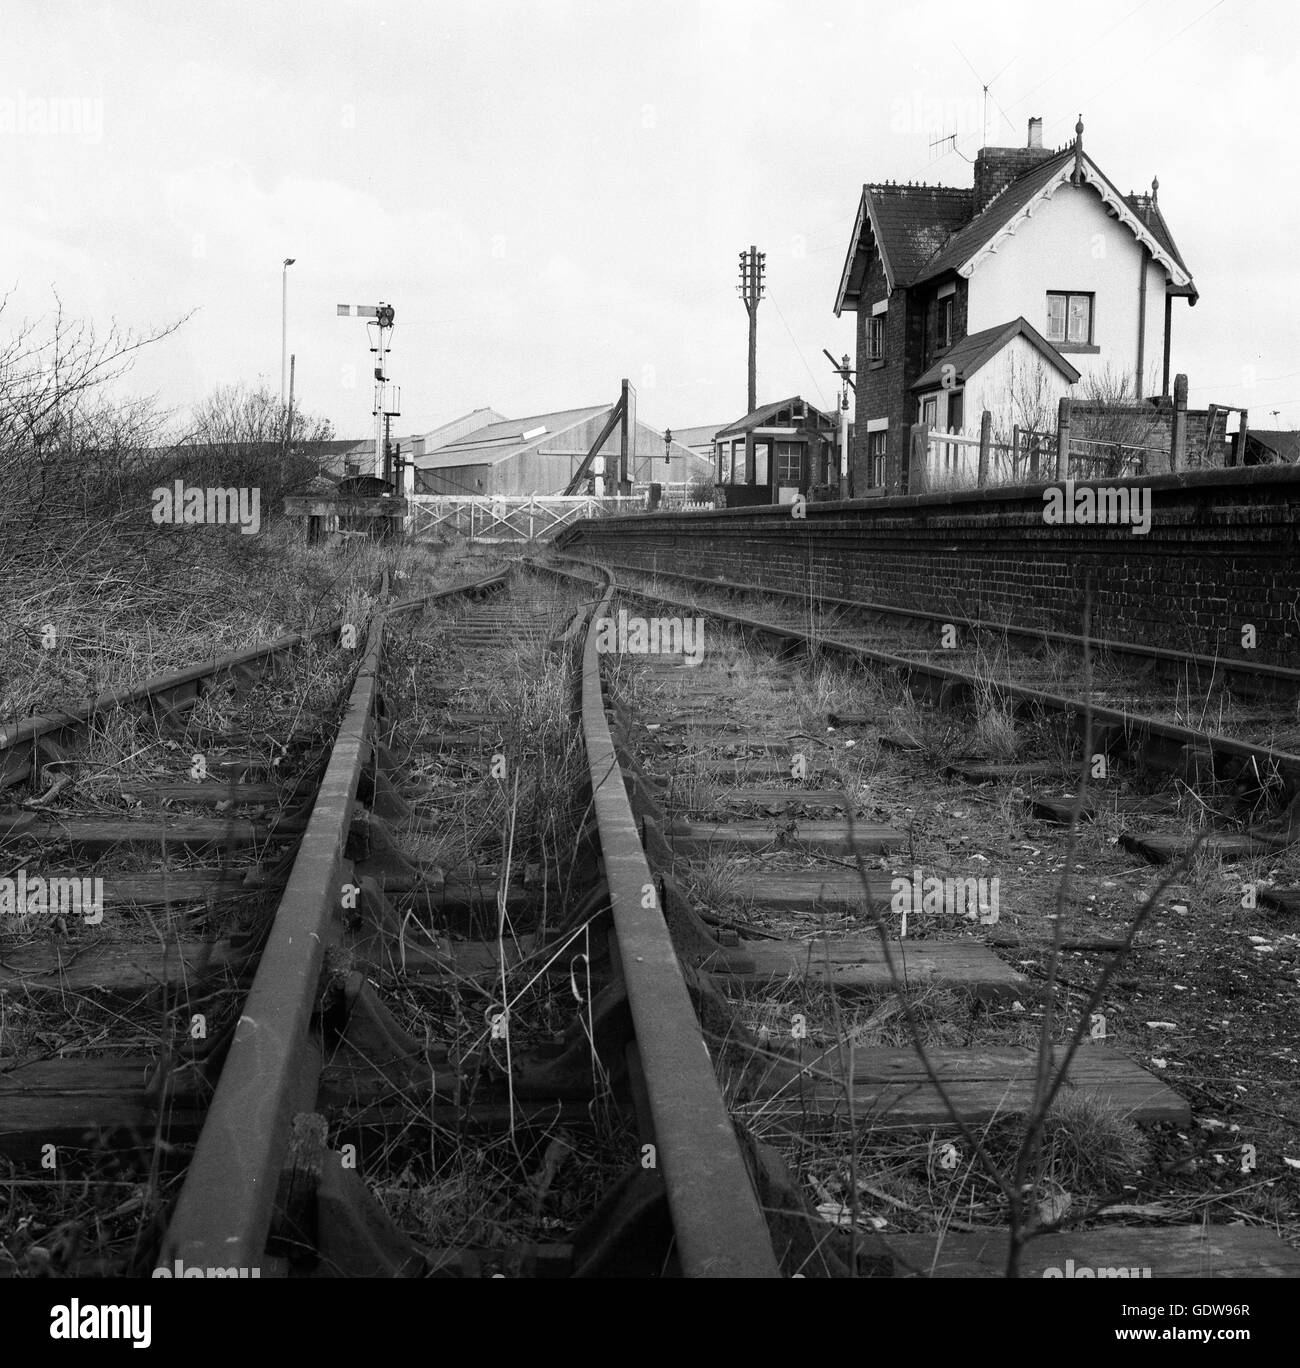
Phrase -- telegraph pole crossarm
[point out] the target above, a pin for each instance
(753, 266)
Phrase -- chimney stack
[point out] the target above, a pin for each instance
(997, 167)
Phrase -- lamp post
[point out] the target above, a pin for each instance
(284, 326)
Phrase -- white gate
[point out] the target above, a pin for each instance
(519, 518)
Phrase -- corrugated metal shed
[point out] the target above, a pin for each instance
(540, 454)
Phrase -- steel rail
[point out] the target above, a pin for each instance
(1102, 645)
(1285, 761)
(32, 728)
(720, 1229)
(224, 1212)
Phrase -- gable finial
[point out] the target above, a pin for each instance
(1076, 176)
(1155, 189)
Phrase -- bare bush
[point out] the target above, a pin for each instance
(244, 436)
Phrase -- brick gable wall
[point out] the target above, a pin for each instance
(884, 391)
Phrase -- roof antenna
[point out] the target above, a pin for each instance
(950, 138)
(939, 142)
(984, 85)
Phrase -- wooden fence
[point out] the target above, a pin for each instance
(939, 460)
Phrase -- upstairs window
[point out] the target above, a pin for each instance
(1069, 318)
(876, 337)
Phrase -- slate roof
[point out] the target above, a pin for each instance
(914, 222)
(1284, 445)
(926, 231)
(1000, 210)
(910, 223)
(972, 352)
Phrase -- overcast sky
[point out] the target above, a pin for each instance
(553, 195)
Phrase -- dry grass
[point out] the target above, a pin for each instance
(451, 1188)
(882, 1180)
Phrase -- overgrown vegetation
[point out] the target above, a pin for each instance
(1057, 1160)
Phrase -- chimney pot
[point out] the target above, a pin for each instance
(1035, 132)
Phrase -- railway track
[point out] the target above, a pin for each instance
(374, 886)
(137, 904)
(748, 810)
(1210, 720)
(472, 926)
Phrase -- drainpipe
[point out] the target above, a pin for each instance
(1142, 318)
(1169, 329)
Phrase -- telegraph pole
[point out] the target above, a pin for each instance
(753, 264)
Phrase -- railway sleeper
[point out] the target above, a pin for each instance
(890, 1088)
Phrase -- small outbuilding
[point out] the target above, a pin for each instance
(777, 452)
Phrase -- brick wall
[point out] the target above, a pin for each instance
(884, 391)
(997, 167)
(1223, 551)
(1150, 424)
(878, 384)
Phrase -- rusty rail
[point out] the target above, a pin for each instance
(226, 1205)
(32, 728)
(1141, 723)
(1163, 655)
(721, 1231)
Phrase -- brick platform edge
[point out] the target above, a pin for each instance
(1222, 553)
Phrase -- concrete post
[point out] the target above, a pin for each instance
(1063, 439)
(1178, 435)
(918, 470)
(986, 441)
